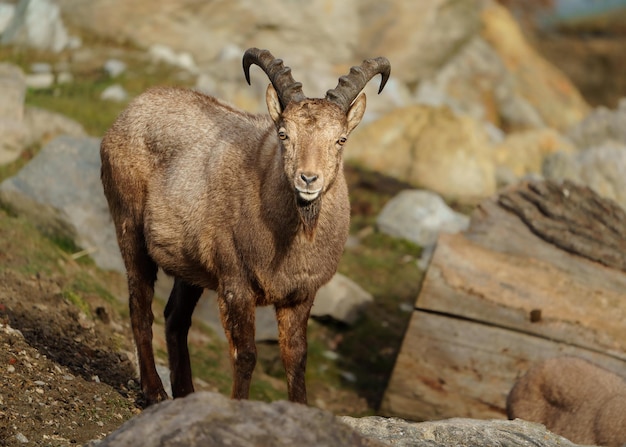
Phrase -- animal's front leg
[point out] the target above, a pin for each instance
(292, 324)
(237, 311)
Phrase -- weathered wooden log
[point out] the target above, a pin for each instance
(573, 217)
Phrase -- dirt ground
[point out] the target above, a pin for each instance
(65, 378)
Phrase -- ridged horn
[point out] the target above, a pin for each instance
(280, 76)
(351, 84)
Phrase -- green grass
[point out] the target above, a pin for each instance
(25, 248)
(80, 98)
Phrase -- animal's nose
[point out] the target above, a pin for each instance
(308, 178)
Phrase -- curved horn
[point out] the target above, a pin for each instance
(351, 84)
(280, 76)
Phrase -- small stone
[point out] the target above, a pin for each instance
(39, 81)
(348, 376)
(10, 369)
(21, 438)
(65, 77)
(330, 355)
(114, 67)
(114, 93)
(40, 67)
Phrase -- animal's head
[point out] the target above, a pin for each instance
(312, 132)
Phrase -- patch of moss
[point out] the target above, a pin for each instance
(84, 283)
(77, 301)
(25, 248)
(10, 169)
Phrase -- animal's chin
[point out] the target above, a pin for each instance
(305, 197)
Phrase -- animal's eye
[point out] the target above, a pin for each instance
(282, 134)
(341, 141)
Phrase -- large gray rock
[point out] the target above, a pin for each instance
(12, 130)
(455, 432)
(37, 24)
(210, 419)
(419, 216)
(60, 191)
(601, 126)
(341, 299)
(204, 418)
(601, 168)
(207, 312)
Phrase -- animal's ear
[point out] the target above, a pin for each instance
(273, 103)
(356, 111)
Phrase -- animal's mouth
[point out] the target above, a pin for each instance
(308, 195)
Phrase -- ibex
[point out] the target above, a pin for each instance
(252, 206)
(573, 398)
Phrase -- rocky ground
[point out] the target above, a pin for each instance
(66, 376)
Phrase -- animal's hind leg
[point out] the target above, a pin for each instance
(178, 313)
(142, 273)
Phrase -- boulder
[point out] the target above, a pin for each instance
(601, 126)
(207, 312)
(484, 79)
(430, 148)
(419, 216)
(455, 432)
(60, 190)
(13, 133)
(601, 167)
(531, 78)
(204, 418)
(417, 37)
(523, 153)
(341, 299)
(37, 24)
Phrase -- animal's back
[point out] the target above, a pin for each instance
(165, 121)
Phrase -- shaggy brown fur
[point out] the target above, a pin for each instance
(573, 398)
(253, 206)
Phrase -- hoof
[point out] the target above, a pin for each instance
(155, 397)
